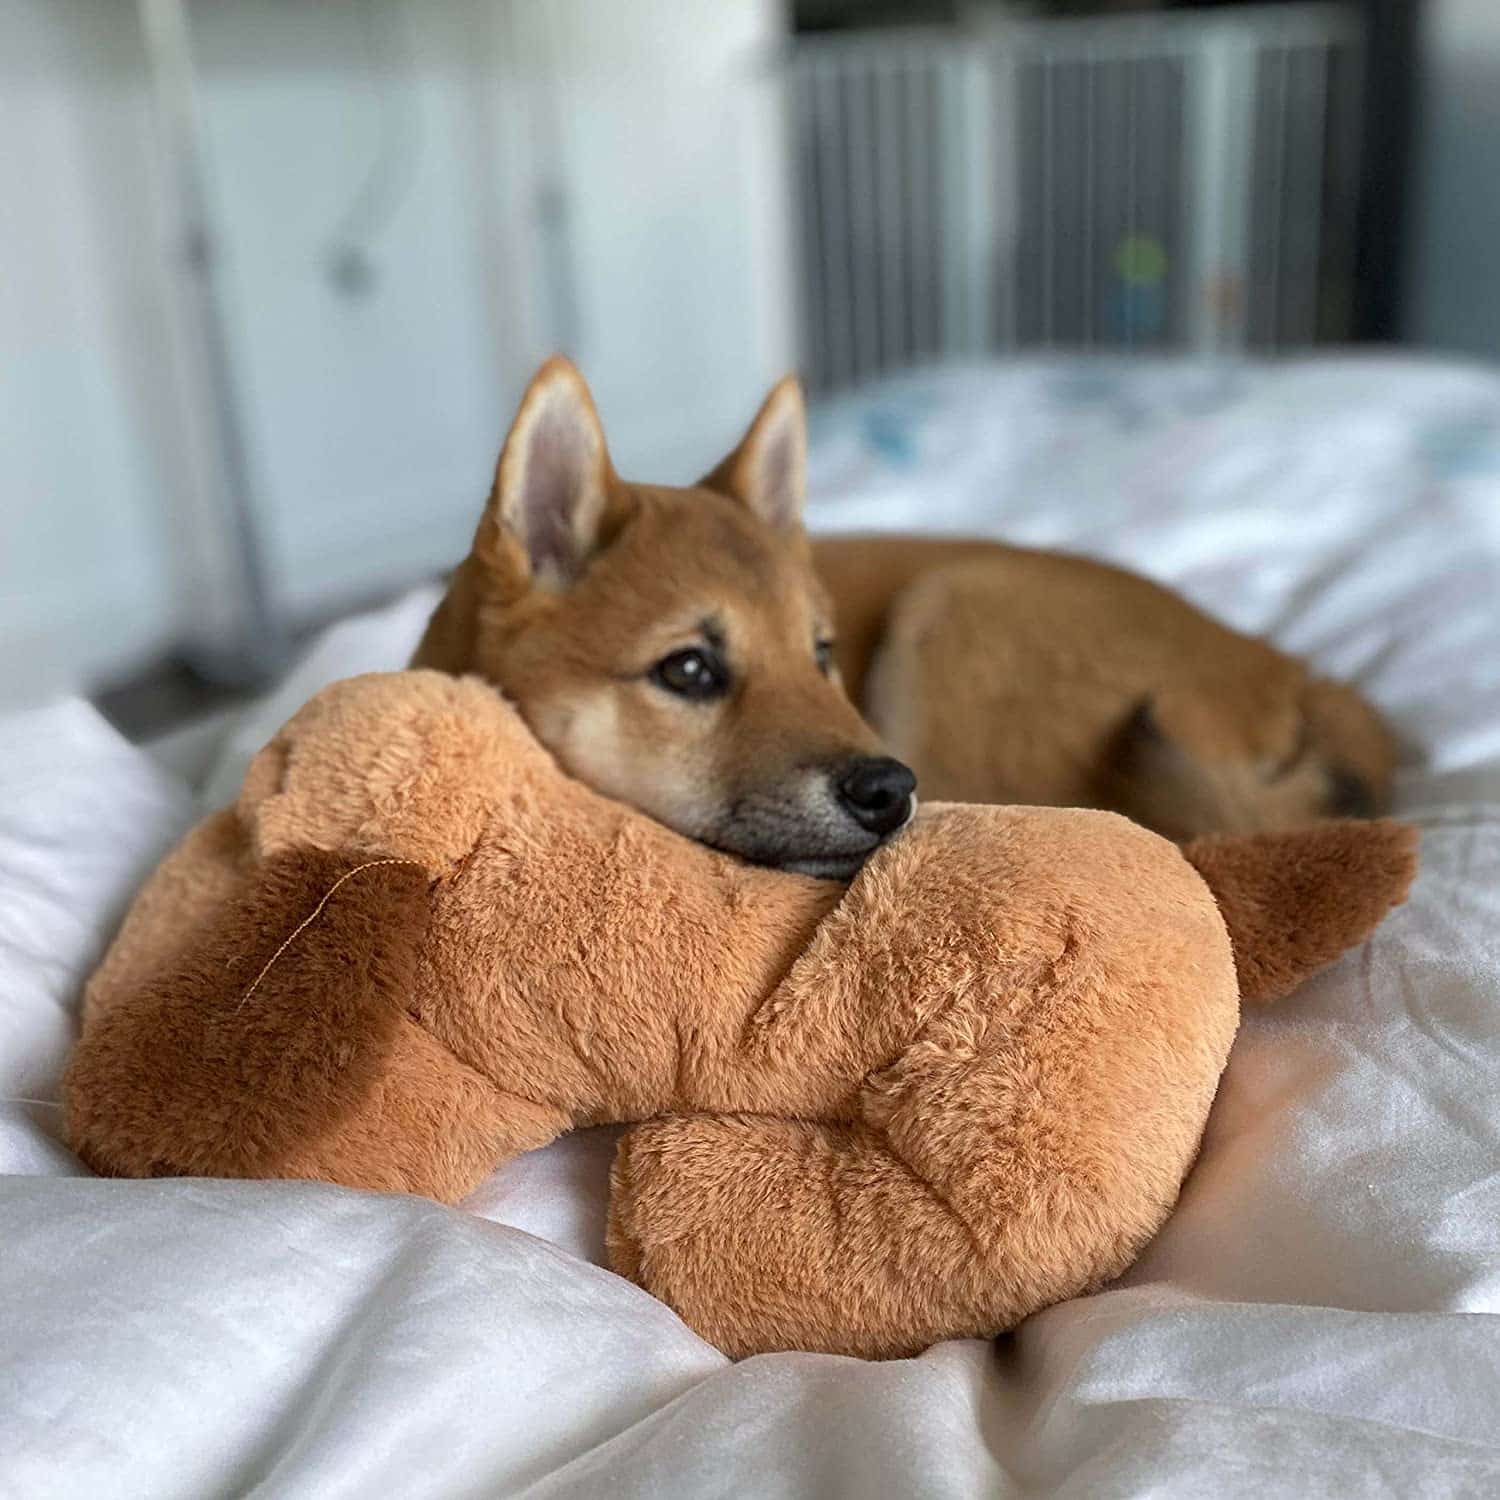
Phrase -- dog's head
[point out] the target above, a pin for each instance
(672, 647)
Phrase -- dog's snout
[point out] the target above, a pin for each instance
(876, 792)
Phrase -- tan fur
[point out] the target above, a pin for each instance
(962, 1088)
(998, 674)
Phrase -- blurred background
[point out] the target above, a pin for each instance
(273, 273)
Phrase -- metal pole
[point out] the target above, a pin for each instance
(1219, 142)
(260, 647)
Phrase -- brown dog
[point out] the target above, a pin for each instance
(675, 649)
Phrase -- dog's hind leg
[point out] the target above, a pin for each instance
(1051, 682)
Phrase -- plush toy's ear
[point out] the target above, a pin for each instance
(768, 471)
(1294, 901)
(553, 485)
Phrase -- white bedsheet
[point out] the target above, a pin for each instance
(1318, 1318)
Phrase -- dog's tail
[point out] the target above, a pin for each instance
(1294, 901)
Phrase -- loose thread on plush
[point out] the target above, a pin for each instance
(312, 917)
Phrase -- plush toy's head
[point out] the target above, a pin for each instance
(965, 1086)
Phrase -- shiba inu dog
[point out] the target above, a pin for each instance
(691, 652)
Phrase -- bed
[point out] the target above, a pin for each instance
(1318, 1318)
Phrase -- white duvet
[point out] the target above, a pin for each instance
(1318, 1318)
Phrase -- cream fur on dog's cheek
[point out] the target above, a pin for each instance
(586, 733)
(788, 815)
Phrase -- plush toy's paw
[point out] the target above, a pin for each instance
(408, 764)
(766, 1234)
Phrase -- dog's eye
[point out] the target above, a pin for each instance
(823, 655)
(693, 673)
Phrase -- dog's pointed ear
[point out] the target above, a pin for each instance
(768, 471)
(552, 496)
(1293, 901)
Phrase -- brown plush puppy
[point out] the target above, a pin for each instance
(925, 1105)
(688, 651)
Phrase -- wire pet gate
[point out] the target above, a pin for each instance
(1177, 182)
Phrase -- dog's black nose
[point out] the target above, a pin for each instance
(876, 793)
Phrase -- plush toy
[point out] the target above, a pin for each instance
(925, 1105)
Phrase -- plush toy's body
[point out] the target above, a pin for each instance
(963, 1088)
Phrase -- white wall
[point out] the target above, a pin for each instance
(83, 575)
(373, 418)
(1454, 286)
